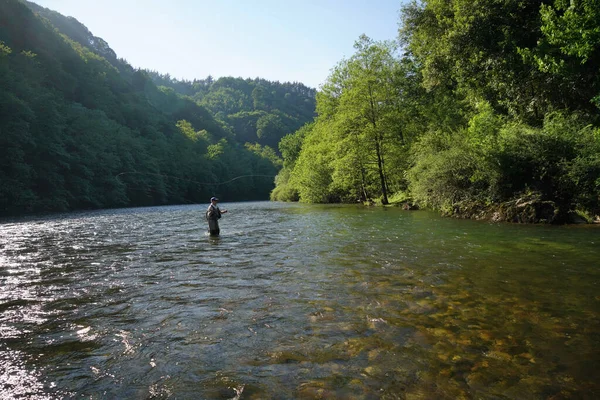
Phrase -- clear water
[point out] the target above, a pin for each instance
(296, 302)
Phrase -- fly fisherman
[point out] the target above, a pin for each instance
(213, 214)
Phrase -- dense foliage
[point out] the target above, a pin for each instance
(80, 128)
(487, 109)
(490, 111)
(254, 110)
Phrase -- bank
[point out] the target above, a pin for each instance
(528, 208)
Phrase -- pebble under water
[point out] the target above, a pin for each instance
(296, 301)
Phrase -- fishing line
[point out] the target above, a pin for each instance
(194, 181)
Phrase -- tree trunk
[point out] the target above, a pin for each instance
(384, 198)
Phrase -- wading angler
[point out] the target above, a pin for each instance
(213, 214)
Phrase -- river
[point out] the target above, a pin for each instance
(296, 301)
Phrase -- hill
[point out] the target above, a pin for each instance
(80, 128)
(254, 110)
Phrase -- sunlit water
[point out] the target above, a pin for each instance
(296, 301)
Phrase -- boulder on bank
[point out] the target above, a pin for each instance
(527, 208)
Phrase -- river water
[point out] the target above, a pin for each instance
(296, 301)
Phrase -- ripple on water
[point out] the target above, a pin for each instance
(296, 301)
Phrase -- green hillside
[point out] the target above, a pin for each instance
(254, 110)
(80, 128)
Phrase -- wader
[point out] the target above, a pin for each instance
(213, 227)
(212, 215)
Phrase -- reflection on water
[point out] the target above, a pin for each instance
(296, 301)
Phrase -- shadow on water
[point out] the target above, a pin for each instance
(296, 301)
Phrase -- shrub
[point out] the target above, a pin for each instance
(560, 161)
(494, 161)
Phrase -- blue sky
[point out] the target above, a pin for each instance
(278, 40)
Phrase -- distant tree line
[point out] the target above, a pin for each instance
(253, 110)
(80, 128)
(481, 109)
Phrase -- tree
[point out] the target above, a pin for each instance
(364, 99)
(568, 50)
(312, 173)
(476, 47)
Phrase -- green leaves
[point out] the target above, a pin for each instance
(573, 27)
(4, 49)
(488, 49)
(364, 110)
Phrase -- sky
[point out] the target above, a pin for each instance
(278, 40)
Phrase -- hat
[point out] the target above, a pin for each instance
(214, 199)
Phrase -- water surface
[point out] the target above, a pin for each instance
(296, 301)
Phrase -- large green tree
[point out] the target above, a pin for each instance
(356, 149)
(503, 51)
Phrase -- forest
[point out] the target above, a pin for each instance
(82, 129)
(483, 109)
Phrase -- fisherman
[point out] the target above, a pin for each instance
(213, 214)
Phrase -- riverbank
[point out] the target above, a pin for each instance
(528, 209)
